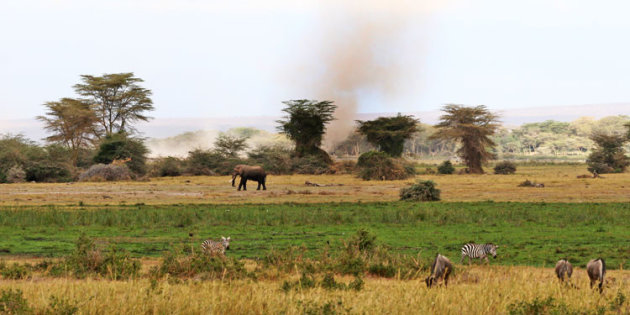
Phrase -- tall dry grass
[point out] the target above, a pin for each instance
(473, 290)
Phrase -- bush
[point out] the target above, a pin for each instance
(343, 167)
(61, 306)
(87, 259)
(121, 147)
(168, 166)
(381, 270)
(208, 162)
(446, 168)
(363, 240)
(505, 168)
(101, 172)
(381, 166)
(274, 159)
(16, 175)
(310, 164)
(15, 272)
(48, 172)
(609, 155)
(420, 191)
(13, 302)
(177, 262)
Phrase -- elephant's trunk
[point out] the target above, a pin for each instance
(233, 179)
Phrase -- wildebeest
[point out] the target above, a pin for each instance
(596, 269)
(440, 269)
(564, 269)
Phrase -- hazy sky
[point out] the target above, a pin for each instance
(209, 58)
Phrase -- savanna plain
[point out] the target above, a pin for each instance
(347, 246)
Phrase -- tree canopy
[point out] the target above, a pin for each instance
(72, 122)
(305, 124)
(472, 128)
(389, 133)
(230, 146)
(118, 101)
(609, 155)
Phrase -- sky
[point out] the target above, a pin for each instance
(243, 58)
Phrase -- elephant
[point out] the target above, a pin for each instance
(246, 172)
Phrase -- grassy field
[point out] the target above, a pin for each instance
(572, 218)
(561, 185)
(528, 233)
(474, 290)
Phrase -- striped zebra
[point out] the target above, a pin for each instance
(213, 247)
(480, 251)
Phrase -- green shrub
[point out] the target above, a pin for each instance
(363, 240)
(118, 264)
(548, 306)
(177, 262)
(87, 259)
(307, 281)
(61, 306)
(274, 159)
(310, 164)
(446, 168)
(381, 166)
(344, 167)
(120, 147)
(420, 191)
(381, 270)
(357, 284)
(208, 162)
(609, 155)
(48, 172)
(505, 168)
(13, 302)
(168, 166)
(15, 272)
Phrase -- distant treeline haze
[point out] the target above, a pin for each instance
(548, 139)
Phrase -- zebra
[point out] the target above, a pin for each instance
(596, 269)
(440, 269)
(480, 251)
(564, 269)
(213, 247)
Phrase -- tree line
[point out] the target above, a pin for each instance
(98, 127)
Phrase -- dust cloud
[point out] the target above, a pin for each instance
(372, 52)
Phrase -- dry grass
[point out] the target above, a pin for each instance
(561, 185)
(473, 290)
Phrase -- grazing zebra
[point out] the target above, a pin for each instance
(596, 269)
(564, 269)
(480, 251)
(440, 269)
(213, 247)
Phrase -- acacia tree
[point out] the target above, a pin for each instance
(609, 155)
(472, 127)
(230, 146)
(305, 124)
(117, 99)
(389, 133)
(72, 122)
